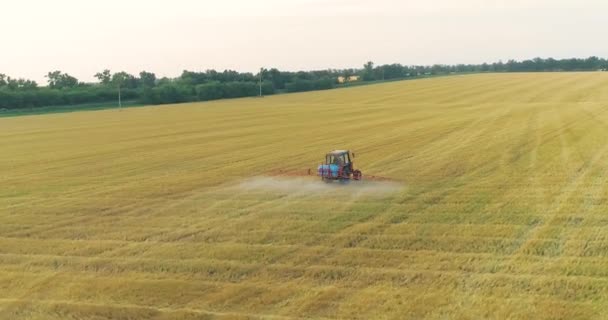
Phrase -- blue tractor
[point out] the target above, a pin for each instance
(338, 167)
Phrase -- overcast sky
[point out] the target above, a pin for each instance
(82, 37)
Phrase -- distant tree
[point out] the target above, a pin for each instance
(437, 69)
(302, 75)
(53, 78)
(163, 81)
(368, 71)
(551, 65)
(19, 84)
(210, 91)
(393, 71)
(193, 78)
(3, 80)
(26, 84)
(147, 79)
(59, 80)
(124, 80)
(104, 77)
(212, 75)
(277, 78)
(379, 73)
(11, 83)
(498, 66)
(264, 72)
(511, 66)
(592, 63)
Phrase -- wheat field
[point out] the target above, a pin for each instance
(497, 209)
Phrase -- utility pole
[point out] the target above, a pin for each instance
(261, 70)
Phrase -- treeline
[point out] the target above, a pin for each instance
(63, 89)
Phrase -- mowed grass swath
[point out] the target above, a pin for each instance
(142, 213)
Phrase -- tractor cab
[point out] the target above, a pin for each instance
(338, 166)
(338, 157)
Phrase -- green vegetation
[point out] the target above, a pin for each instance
(64, 89)
(143, 214)
(68, 108)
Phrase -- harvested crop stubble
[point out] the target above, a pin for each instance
(168, 212)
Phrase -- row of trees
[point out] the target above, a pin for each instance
(63, 89)
(396, 71)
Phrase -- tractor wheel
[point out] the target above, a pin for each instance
(357, 175)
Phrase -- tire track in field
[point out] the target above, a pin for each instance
(156, 206)
(567, 191)
(534, 167)
(296, 251)
(333, 238)
(356, 278)
(197, 311)
(599, 185)
(257, 215)
(24, 299)
(471, 132)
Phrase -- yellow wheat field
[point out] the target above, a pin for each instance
(170, 212)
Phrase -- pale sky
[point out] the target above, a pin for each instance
(82, 37)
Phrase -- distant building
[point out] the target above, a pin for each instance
(350, 79)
